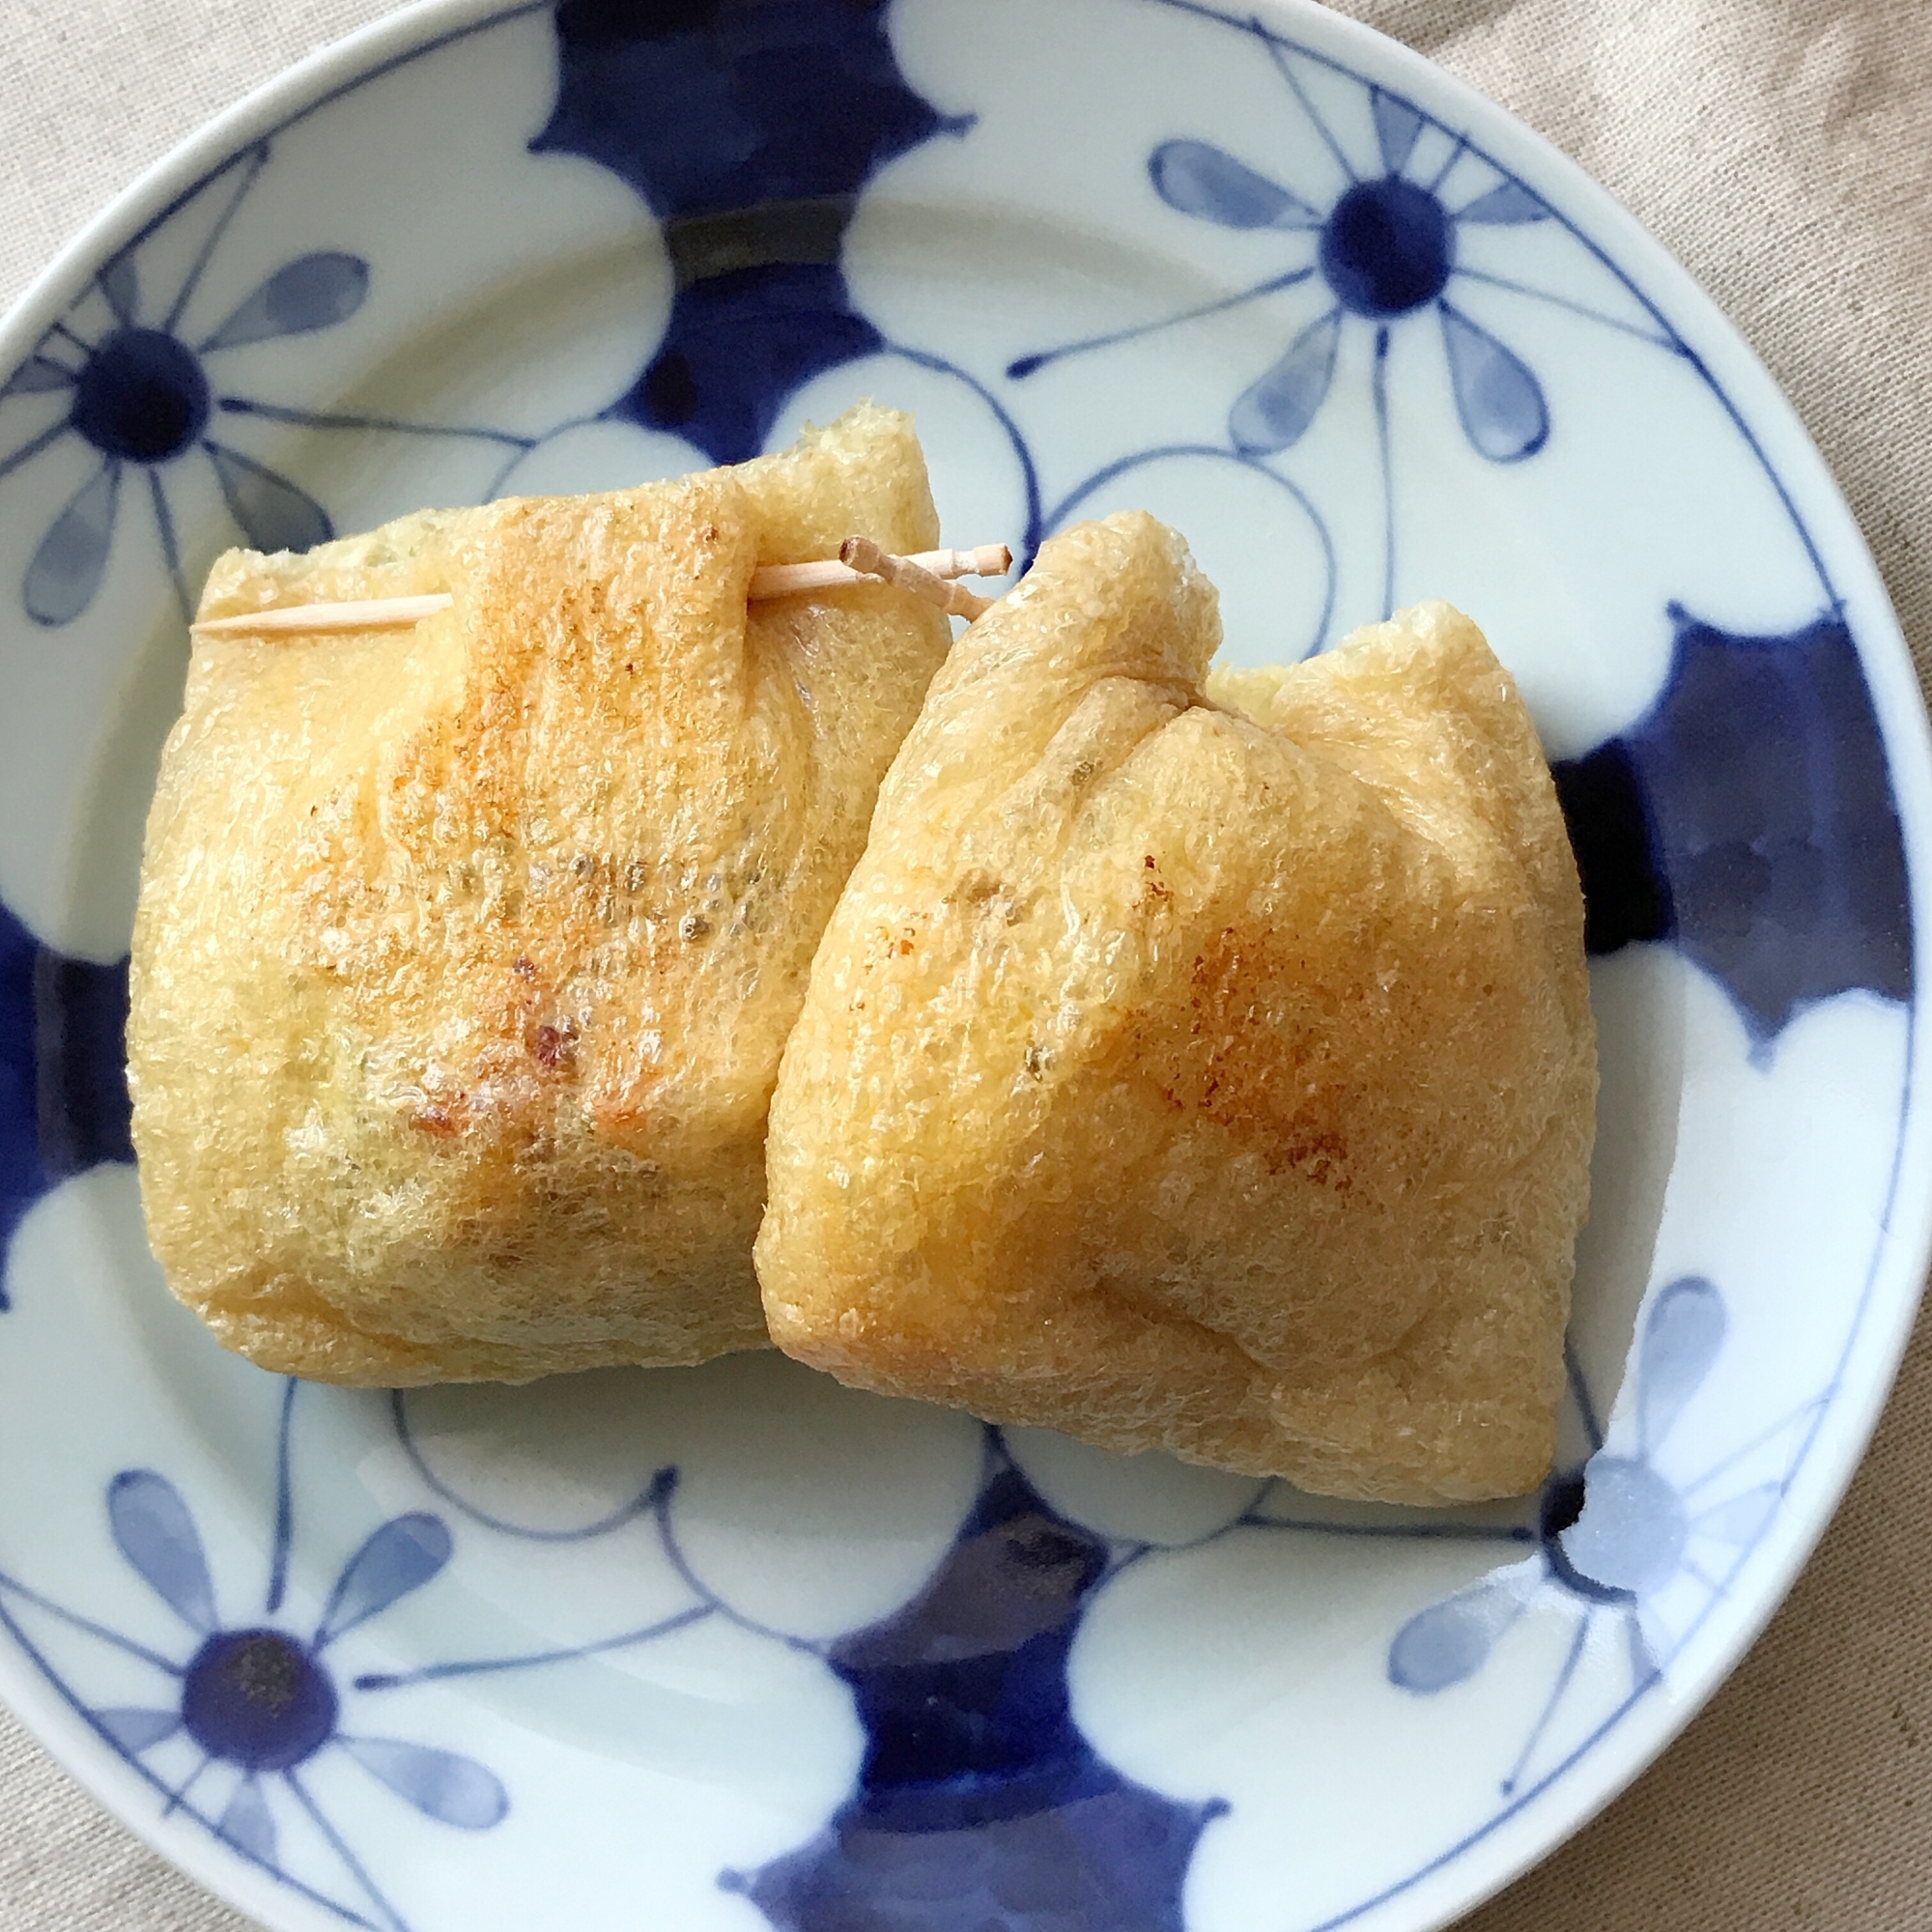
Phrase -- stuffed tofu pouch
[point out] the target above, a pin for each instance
(466, 955)
(1197, 1064)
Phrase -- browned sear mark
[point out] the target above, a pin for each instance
(555, 1046)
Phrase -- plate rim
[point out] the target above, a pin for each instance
(1534, 1827)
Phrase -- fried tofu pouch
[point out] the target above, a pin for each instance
(464, 957)
(1201, 1064)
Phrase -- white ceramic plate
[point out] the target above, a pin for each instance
(732, 1647)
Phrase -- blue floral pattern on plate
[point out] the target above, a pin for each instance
(1746, 815)
(1385, 247)
(978, 1801)
(259, 1697)
(62, 1096)
(144, 398)
(1610, 1532)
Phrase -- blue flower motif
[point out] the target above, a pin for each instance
(63, 1085)
(978, 1801)
(261, 1697)
(1610, 1535)
(142, 396)
(1385, 247)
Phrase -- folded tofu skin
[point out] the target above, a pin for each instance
(1201, 1063)
(464, 957)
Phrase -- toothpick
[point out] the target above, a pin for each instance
(926, 574)
(372, 614)
(782, 580)
(955, 599)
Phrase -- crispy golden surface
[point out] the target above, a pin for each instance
(1203, 1069)
(464, 957)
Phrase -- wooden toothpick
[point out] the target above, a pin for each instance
(862, 555)
(781, 579)
(859, 560)
(370, 614)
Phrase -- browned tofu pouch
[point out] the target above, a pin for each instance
(466, 955)
(1201, 1063)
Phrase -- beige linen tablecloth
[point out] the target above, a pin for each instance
(1781, 148)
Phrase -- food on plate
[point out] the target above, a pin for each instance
(465, 953)
(1201, 1063)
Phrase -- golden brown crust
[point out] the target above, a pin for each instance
(1201, 1064)
(464, 957)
